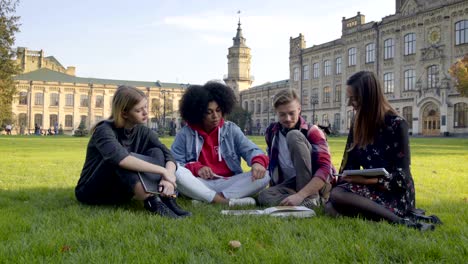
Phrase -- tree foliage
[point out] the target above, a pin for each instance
(240, 116)
(9, 25)
(459, 71)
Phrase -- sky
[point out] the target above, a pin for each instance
(181, 41)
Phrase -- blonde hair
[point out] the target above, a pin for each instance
(284, 97)
(125, 98)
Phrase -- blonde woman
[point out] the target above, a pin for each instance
(110, 171)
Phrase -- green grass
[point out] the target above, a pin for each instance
(41, 222)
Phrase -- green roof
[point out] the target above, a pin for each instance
(47, 75)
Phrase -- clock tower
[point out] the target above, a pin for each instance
(238, 77)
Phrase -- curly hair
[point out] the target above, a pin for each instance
(194, 102)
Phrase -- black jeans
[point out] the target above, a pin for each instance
(110, 184)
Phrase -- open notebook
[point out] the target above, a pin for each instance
(277, 211)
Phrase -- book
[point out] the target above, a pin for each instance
(377, 172)
(276, 211)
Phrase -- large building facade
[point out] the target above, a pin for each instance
(49, 95)
(411, 52)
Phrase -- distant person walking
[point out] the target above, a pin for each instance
(8, 129)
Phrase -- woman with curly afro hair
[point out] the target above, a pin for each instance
(209, 150)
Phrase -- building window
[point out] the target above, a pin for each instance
(99, 101)
(53, 120)
(259, 106)
(408, 116)
(327, 68)
(389, 49)
(352, 57)
(370, 53)
(410, 80)
(23, 98)
(54, 99)
(338, 65)
(432, 76)
(69, 98)
(461, 32)
(38, 119)
(410, 43)
(326, 94)
(84, 100)
(336, 122)
(314, 97)
(39, 99)
(461, 115)
(252, 106)
(325, 121)
(97, 119)
(305, 72)
(246, 106)
(83, 120)
(296, 74)
(266, 105)
(338, 93)
(349, 118)
(389, 82)
(316, 70)
(22, 119)
(68, 121)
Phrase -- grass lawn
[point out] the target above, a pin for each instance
(40, 220)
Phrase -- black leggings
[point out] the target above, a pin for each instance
(110, 184)
(344, 202)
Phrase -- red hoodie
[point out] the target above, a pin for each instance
(209, 154)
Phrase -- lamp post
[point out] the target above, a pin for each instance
(164, 107)
(313, 102)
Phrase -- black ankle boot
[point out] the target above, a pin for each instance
(155, 205)
(420, 226)
(171, 203)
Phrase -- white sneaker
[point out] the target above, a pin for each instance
(242, 201)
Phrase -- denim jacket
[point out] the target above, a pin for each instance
(233, 145)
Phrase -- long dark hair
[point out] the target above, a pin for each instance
(372, 107)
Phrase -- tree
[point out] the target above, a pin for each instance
(157, 110)
(459, 71)
(241, 117)
(8, 68)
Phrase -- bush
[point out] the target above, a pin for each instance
(81, 131)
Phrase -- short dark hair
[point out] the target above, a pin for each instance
(196, 98)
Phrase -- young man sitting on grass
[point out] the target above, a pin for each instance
(300, 164)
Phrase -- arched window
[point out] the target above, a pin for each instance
(326, 94)
(296, 74)
(316, 70)
(327, 68)
(410, 80)
(408, 115)
(370, 52)
(38, 119)
(410, 44)
(22, 119)
(259, 107)
(68, 121)
(23, 98)
(432, 76)
(460, 115)
(266, 105)
(325, 121)
(461, 32)
(336, 122)
(389, 49)
(351, 56)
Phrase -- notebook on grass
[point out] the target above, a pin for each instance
(376, 172)
(277, 211)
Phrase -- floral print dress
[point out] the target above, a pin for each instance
(390, 151)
